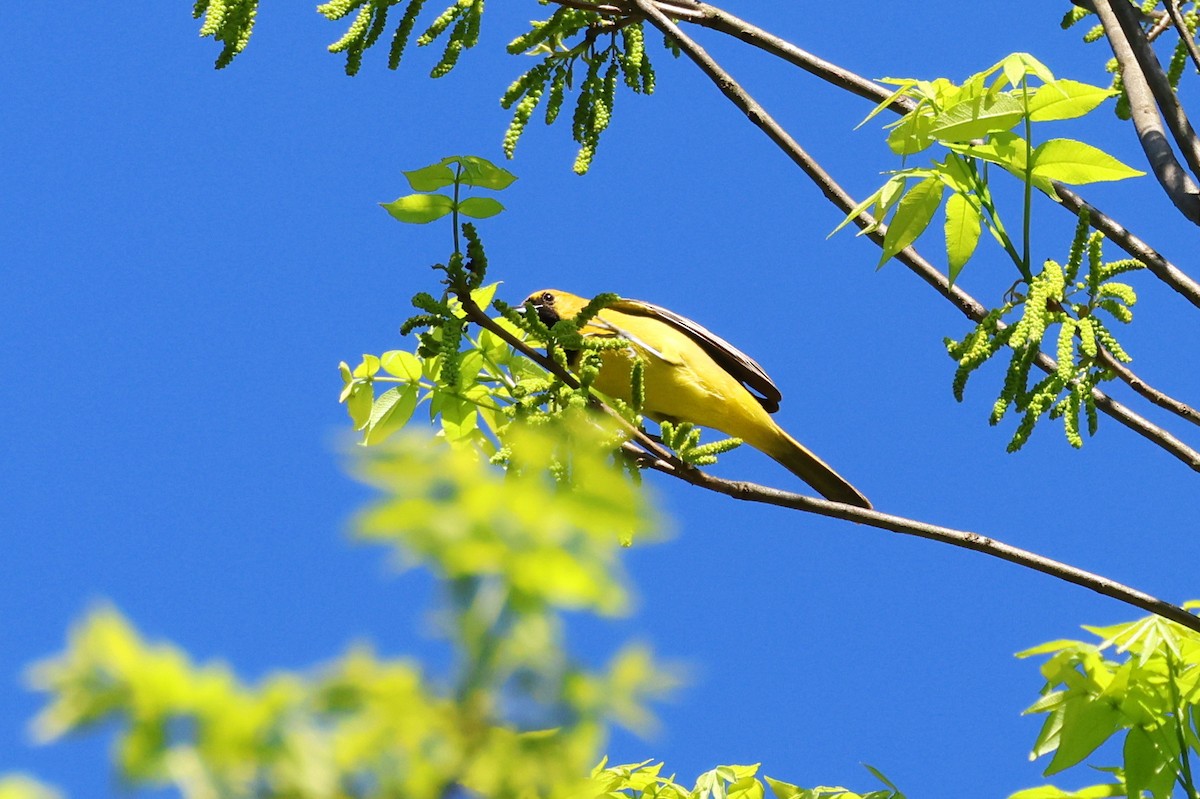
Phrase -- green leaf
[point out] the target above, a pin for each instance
(401, 364)
(1143, 762)
(459, 418)
(390, 412)
(419, 209)
(1018, 65)
(1086, 724)
(911, 135)
(879, 775)
(368, 367)
(858, 209)
(484, 294)
(783, 790)
(479, 207)
(430, 178)
(481, 172)
(1065, 99)
(358, 404)
(1077, 163)
(962, 232)
(977, 117)
(1004, 149)
(912, 216)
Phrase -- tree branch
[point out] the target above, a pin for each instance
(967, 304)
(651, 454)
(1139, 73)
(752, 492)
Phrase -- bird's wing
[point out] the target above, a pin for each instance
(727, 356)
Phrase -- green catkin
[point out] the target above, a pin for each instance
(1095, 268)
(1066, 350)
(1117, 310)
(1114, 268)
(637, 389)
(452, 334)
(1109, 342)
(378, 23)
(1120, 291)
(520, 119)
(1073, 16)
(649, 79)
(476, 264)
(455, 43)
(515, 90)
(1094, 34)
(1087, 336)
(404, 32)
(558, 88)
(538, 33)
(635, 52)
(1071, 418)
(474, 23)
(581, 121)
(1178, 62)
(1075, 255)
(421, 320)
(442, 22)
(355, 32)
(1089, 407)
(594, 306)
(214, 16)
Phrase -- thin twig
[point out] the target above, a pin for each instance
(1145, 113)
(967, 304)
(1181, 28)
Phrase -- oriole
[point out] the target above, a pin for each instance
(693, 375)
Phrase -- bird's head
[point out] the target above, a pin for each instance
(552, 305)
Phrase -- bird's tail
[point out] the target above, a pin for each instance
(808, 467)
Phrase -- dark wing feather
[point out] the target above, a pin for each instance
(727, 356)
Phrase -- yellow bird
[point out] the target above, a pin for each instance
(692, 375)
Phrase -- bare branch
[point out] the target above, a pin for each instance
(969, 306)
(649, 453)
(1185, 35)
(1139, 73)
(752, 492)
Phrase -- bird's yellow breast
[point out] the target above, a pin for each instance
(682, 381)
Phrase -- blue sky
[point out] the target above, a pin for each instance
(187, 254)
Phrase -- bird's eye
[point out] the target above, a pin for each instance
(547, 298)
